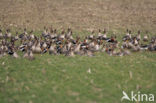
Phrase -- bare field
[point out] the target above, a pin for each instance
(79, 14)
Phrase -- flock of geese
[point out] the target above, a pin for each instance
(55, 43)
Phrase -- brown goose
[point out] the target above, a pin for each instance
(99, 34)
(8, 34)
(90, 37)
(1, 52)
(38, 48)
(30, 55)
(69, 34)
(52, 49)
(145, 39)
(70, 52)
(15, 55)
(104, 36)
(138, 36)
(1, 34)
(32, 36)
(12, 51)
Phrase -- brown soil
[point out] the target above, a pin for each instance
(79, 14)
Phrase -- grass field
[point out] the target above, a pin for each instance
(60, 79)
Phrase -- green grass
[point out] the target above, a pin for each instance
(61, 79)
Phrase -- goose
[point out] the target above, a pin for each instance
(144, 47)
(71, 37)
(117, 53)
(69, 33)
(135, 42)
(126, 45)
(84, 44)
(52, 49)
(153, 40)
(16, 36)
(44, 50)
(99, 34)
(135, 48)
(90, 37)
(104, 34)
(145, 39)
(125, 52)
(12, 51)
(51, 29)
(53, 34)
(97, 46)
(1, 35)
(112, 39)
(62, 36)
(77, 48)
(64, 43)
(130, 34)
(38, 48)
(152, 47)
(129, 45)
(69, 44)
(15, 55)
(8, 33)
(44, 45)
(120, 53)
(88, 53)
(92, 43)
(23, 35)
(33, 47)
(4, 48)
(58, 41)
(30, 55)
(63, 49)
(45, 32)
(26, 55)
(60, 49)
(127, 36)
(70, 52)
(108, 51)
(77, 40)
(1, 52)
(127, 33)
(103, 49)
(32, 35)
(22, 47)
(25, 31)
(138, 36)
